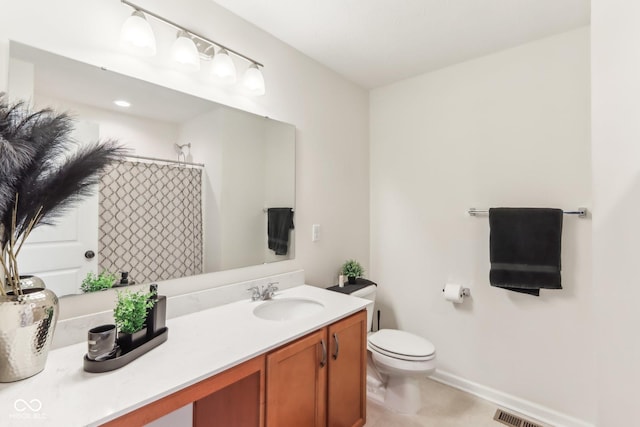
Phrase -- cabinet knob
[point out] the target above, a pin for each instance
(335, 353)
(89, 254)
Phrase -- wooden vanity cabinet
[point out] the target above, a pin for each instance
(319, 380)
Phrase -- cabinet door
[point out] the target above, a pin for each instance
(296, 383)
(347, 372)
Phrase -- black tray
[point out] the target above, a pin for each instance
(121, 360)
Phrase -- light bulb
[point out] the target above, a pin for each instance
(137, 34)
(223, 68)
(253, 80)
(185, 52)
(122, 103)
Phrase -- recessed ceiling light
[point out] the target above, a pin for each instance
(122, 103)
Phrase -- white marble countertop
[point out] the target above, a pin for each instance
(200, 345)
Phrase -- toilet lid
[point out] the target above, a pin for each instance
(401, 344)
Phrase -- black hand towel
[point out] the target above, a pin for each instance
(525, 248)
(279, 222)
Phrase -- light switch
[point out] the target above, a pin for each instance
(315, 232)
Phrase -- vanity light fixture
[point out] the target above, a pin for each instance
(189, 47)
(122, 103)
(223, 68)
(253, 80)
(137, 34)
(185, 52)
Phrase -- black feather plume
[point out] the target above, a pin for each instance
(43, 168)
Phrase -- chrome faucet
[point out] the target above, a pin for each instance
(255, 293)
(259, 293)
(270, 290)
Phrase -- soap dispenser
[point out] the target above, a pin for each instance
(157, 316)
(124, 278)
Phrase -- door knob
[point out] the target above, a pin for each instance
(89, 254)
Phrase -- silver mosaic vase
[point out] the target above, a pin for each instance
(27, 323)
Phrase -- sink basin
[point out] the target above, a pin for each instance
(287, 309)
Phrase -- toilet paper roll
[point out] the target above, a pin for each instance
(453, 292)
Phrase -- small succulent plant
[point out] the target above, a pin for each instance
(352, 268)
(131, 310)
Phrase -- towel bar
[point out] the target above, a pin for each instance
(265, 210)
(581, 212)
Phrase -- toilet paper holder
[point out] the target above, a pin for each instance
(465, 292)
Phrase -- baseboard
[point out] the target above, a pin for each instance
(507, 401)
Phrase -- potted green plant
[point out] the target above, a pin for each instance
(352, 269)
(98, 282)
(43, 171)
(130, 315)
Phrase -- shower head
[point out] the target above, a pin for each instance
(179, 147)
(182, 157)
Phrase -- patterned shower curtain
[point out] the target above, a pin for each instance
(150, 221)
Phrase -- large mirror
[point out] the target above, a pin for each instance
(206, 188)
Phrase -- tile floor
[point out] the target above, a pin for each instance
(443, 406)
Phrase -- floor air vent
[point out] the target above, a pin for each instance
(513, 420)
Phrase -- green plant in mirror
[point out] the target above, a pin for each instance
(352, 268)
(98, 282)
(131, 310)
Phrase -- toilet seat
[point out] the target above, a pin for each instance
(399, 356)
(402, 368)
(401, 345)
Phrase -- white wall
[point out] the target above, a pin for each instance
(205, 134)
(140, 135)
(249, 166)
(242, 193)
(508, 129)
(615, 65)
(279, 179)
(330, 114)
(21, 84)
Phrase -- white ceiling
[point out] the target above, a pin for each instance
(377, 42)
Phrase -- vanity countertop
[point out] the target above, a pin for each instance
(200, 345)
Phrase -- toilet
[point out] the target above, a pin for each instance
(396, 361)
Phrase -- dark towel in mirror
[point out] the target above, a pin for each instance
(279, 222)
(525, 246)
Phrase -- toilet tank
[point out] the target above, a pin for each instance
(369, 293)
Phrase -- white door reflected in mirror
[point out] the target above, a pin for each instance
(57, 254)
